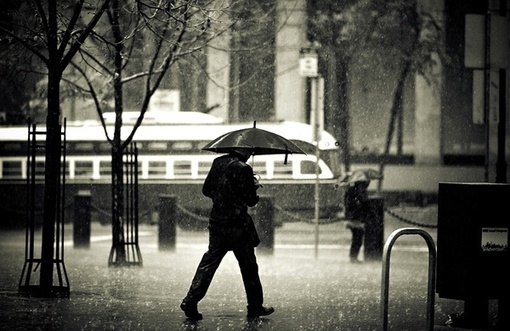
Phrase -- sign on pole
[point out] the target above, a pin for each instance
(317, 110)
(308, 62)
(309, 67)
(317, 119)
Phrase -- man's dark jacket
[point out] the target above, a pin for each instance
(356, 202)
(230, 184)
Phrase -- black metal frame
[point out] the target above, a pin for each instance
(27, 285)
(130, 220)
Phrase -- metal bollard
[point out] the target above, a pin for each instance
(264, 222)
(385, 288)
(374, 230)
(167, 222)
(81, 228)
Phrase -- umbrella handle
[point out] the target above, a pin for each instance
(286, 156)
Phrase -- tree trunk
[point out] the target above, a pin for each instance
(337, 107)
(51, 181)
(118, 241)
(118, 207)
(396, 110)
(52, 155)
(344, 119)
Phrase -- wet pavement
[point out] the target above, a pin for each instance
(311, 287)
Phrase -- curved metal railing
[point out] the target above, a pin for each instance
(385, 284)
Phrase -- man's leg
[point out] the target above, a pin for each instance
(203, 278)
(357, 241)
(245, 255)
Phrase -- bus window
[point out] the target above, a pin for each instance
(182, 169)
(182, 145)
(83, 169)
(11, 169)
(105, 146)
(157, 146)
(333, 161)
(308, 167)
(282, 170)
(203, 168)
(157, 169)
(39, 169)
(68, 169)
(140, 169)
(259, 168)
(105, 168)
(9, 147)
(201, 144)
(84, 147)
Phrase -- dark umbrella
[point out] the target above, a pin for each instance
(258, 141)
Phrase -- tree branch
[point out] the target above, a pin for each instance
(83, 35)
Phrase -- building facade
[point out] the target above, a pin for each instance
(440, 137)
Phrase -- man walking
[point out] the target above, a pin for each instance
(232, 187)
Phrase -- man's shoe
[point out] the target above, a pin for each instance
(191, 311)
(261, 311)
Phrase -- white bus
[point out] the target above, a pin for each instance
(168, 152)
(170, 162)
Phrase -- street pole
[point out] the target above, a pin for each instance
(501, 164)
(487, 89)
(308, 67)
(317, 103)
(315, 117)
(486, 51)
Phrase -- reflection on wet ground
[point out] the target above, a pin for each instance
(310, 289)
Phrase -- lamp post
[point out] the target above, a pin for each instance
(486, 52)
(308, 67)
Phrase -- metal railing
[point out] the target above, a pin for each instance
(33, 262)
(385, 284)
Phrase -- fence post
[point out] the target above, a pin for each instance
(81, 222)
(167, 222)
(374, 230)
(264, 222)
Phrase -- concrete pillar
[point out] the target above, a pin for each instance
(81, 221)
(374, 230)
(167, 225)
(427, 138)
(218, 69)
(290, 93)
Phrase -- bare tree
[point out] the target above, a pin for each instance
(397, 29)
(137, 45)
(54, 39)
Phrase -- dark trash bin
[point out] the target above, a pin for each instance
(472, 249)
(374, 230)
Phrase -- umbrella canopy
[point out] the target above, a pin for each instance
(360, 175)
(257, 141)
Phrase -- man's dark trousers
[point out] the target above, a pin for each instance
(221, 240)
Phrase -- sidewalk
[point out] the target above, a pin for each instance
(310, 289)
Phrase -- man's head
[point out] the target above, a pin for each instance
(362, 184)
(243, 153)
